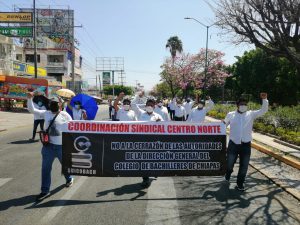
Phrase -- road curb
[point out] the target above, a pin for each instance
(275, 180)
(287, 160)
(286, 144)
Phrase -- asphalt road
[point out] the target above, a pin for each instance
(113, 201)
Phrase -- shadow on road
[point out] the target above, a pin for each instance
(126, 189)
(25, 200)
(261, 203)
(23, 142)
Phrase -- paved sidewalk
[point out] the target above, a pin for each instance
(11, 120)
(267, 140)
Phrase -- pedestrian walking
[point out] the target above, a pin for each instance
(148, 115)
(188, 105)
(110, 107)
(172, 105)
(198, 113)
(38, 119)
(240, 137)
(54, 122)
(161, 110)
(180, 113)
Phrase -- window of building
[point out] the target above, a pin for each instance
(30, 58)
(19, 57)
(55, 58)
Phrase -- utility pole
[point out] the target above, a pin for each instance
(113, 81)
(73, 56)
(100, 89)
(96, 85)
(34, 40)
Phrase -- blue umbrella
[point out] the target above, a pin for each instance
(87, 103)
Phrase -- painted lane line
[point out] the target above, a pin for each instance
(67, 196)
(162, 211)
(4, 181)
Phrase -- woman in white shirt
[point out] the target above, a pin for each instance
(77, 111)
(38, 120)
(54, 148)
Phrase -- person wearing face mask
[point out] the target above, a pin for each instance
(161, 110)
(77, 111)
(180, 113)
(172, 105)
(240, 137)
(139, 98)
(124, 113)
(54, 148)
(38, 120)
(199, 112)
(148, 115)
(188, 105)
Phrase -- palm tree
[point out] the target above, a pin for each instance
(175, 45)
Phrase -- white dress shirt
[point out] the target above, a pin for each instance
(172, 104)
(124, 115)
(144, 116)
(198, 115)
(188, 107)
(180, 111)
(77, 114)
(163, 111)
(241, 124)
(37, 116)
(55, 131)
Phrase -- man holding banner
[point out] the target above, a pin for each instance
(124, 113)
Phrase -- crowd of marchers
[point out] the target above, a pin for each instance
(141, 108)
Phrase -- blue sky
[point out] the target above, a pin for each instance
(138, 31)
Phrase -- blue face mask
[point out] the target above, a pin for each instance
(40, 103)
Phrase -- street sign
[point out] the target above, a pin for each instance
(16, 17)
(106, 78)
(16, 31)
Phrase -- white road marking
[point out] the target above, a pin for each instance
(67, 196)
(4, 181)
(162, 211)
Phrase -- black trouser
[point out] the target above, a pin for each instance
(110, 109)
(35, 125)
(172, 114)
(179, 118)
(187, 116)
(243, 151)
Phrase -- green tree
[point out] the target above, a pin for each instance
(257, 71)
(108, 90)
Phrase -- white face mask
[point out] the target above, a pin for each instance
(243, 108)
(179, 105)
(160, 104)
(149, 109)
(77, 106)
(126, 107)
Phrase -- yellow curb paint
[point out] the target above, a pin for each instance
(285, 159)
